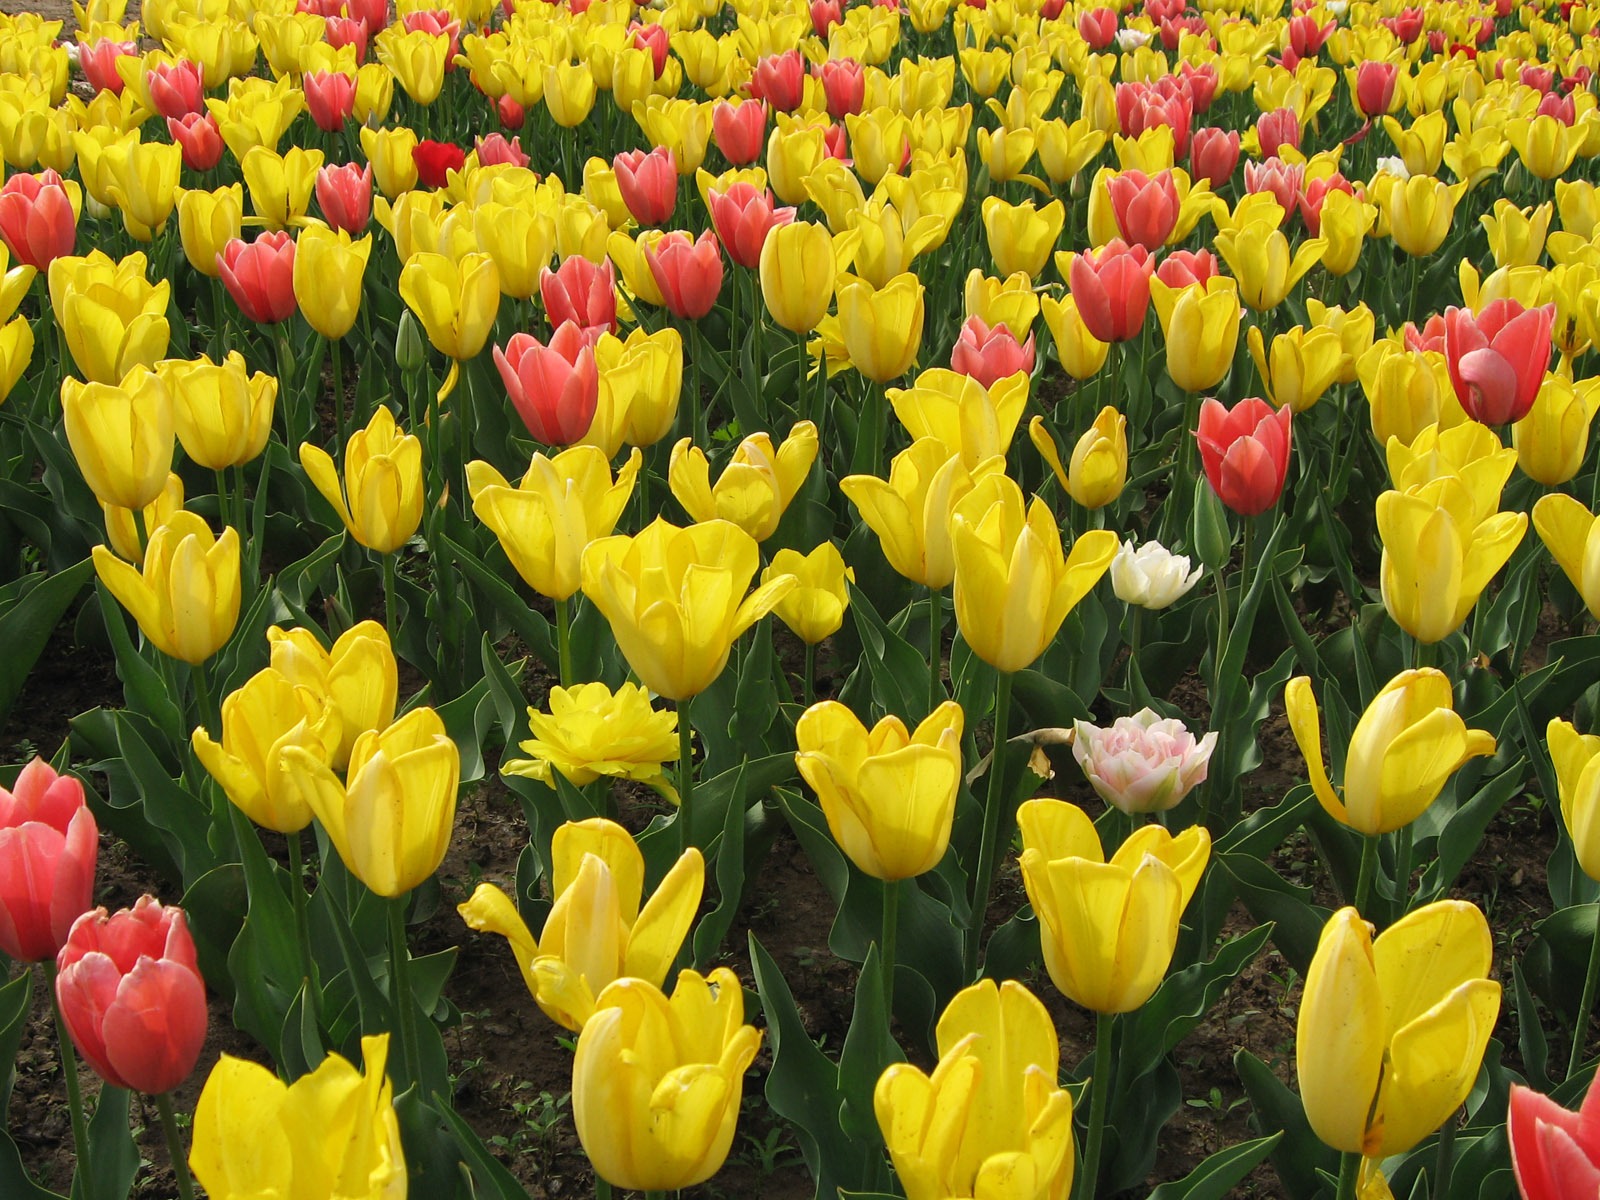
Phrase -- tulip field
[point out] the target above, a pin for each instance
(940, 599)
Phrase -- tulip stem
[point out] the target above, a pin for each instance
(400, 987)
(685, 776)
(1099, 1101)
(1445, 1163)
(1580, 1027)
(339, 424)
(935, 649)
(809, 683)
(989, 846)
(388, 595)
(602, 1189)
(1369, 866)
(564, 641)
(180, 1161)
(69, 1070)
(1349, 1173)
(302, 923)
(890, 940)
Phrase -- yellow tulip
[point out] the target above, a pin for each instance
(223, 414)
(882, 327)
(1407, 391)
(259, 721)
(1420, 146)
(1578, 204)
(1099, 467)
(389, 151)
(380, 501)
(1546, 146)
(16, 352)
(328, 268)
(455, 301)
(1065, 149)
(1010, 301)
(144, 185)
(1552, 440)
(1392, 1030)
(186, 598)
(992, 1119)
(391, 820)
(1108, 929)
(1021, 236)
(1576, 757)
(675, 599)
(123, 534)
(596, 932)
(641, 381)
(794, 150)
(1419, 211)
(1013, 585)
(590, 733)
(965, 417)
(374, 95)
(1081, 353)
(121, 436)
(114, 326)
(1200, 325)
(1262, 261)
(569, 92)
(888, 795)
(797, 275)
(910, 511)
(1354, 327)
(562, 504)
(1303, 364)
(814, 610)
(656, 1083)
(1572, 535)
(208, 221)
(332, 1132)
(358, 676)
(280, 185)
(520, 240)
(754, 489)
(1406, 745)
(14, 284)
(1516, 235)
(1345, 223)
(417, 59)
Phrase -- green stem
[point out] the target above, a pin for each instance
(564, 641)
(69, 1069)
(602, 1189)
(302, 921)
(1369, 866)
(890, 940)
(141, 531)
(935, 649)
(989, 847)
(400, 987)
(685, 776)
(180, 1161)
(1446, 1161)
(697, 406)
(210, 714)
(1349, 1172)
(389, 618)
(1099, 1101)
(340, 425)
(809, 683)
(1580, 1029)
(1402, 866)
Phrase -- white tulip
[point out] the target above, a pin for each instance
(1151, 576)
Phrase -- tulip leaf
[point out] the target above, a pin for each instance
(167, 806)
(1460, 829)
(530, 626)
(113, 1156)
(1556, 960)
(16, 999)
(1046, 700)
(300, 580)
(1531, 1041)
(1220, 1173)
(736, 789)
(489, 1177)
(429, 974)
(215, 904)
(15, 1183)
(27, 624)
(896, 670)
(1300, 1156)
(144, 689)
(869, 1047)
(727, 852)
(1296, 922)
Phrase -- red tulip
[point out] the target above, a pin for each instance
(1281, 179)
(131, 995)
(48, 848)
(512, 115)
(1143, 106)
(176, 89)
(1183, 267)
(1145, 206)
(36, 219)
(844, 84)
(1562, 108)
(740, 130)
(496, 149)
(347, 31)
(836, 144)
(1201, 82)
(1245, 452)
(1375, 84)
(1163, 10)
(372, 13)
(259, 275)
(1112, 288)
(1498, 358)
(344, 193)
(654, 39)
(1407, 26)
(689, 273)
(330, 98)
(648, 183)
(1555, 1153)
(98, 62)
(743, 215)
(1098, 26)
(824, 15)
(1306, 37)
(1276, 129)
(581, 292)
(200, 138)
(1214, 155)
(435, 161)
(779, 79)
(989, 353)
(554, 388)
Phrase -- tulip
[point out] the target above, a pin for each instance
(49, 844)
(328, 270)
(1546, 145)
(687, 271)
(186, 599)
(1108, 929)
(797, 274)
(1099, 466)
(391, 821)
(455, 301)
(778, 80)
(744, 217)
(207, 222)
(1303, 365)
(814, 610)
(1010, 301)
(1245, 453)
(1151, 576)
(1438, 556)
(1419, 210)
(1574, 756)
(992, 1114)
(259, 721)
(280, 186)
(740, 130)
(649, 184)
(123, 534)
(1145, 207)
(1554, 1152)
(569, 92)
(1080, 352)
(656, 1083)
(418, 59)
(1013, 585)
(591, 733)
(259, 275)
(380, 502)
(332, 1132)
(1200, 324)
(344, 193)
(989, 354)
(1498, 358)
(200, 138)
(495, 150)
(223, 415)
(358, 677)
(1213, 156)
(16, 352)
(1372, 86)
(653, 590)
(1569, 532)
(1021, 237)
(1406, 745)
(641, 380)
(330, 98)
(1263, 263)
(1142, 763)
(1406, 391)
(1553, 438)
(176, 89)
(1112, 290)
(113, 325)
(121, 436)
(144, 185)
(755, 488)
(131, 996)
(967, 418)
(554, 388)
(39, 217)
(581, 292)
(596, 932)
(882, 327)
(1373, 1013)
(389, 153)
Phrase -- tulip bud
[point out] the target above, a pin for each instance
(1151, 576)
(409, 352)
(49, 845)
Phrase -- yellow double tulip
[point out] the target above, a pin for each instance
(591, 732)
(754, 489)
(186, 598)
(380, 500)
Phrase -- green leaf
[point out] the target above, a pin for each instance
(489, 1177)
(727, 854)
(1295, 921)
(169, 807)
(1531, 1041)
(869, 1047)
(142, 685)
(14, 1181)
(1217, 1175)
(113, 1156)
(897, 670)
(1300, 1155)
(531, 627)
(26, 626)
(16, 999)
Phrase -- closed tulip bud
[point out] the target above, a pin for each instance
(998, 1054)
(1200, 325)
(121, 436)
(569, 92)
(882, 327)
(1021, 236)
(114, 326)
(328, 270)
(1245, 453)
(1099, 466)
(1108, 929)
(688, 272)
(740, 130)
(814, 610)
(222, 413)
(1343, 224)
(1142, 763)
(388, 152)
(330, 1131)
(1406, 391)
(380, 502)
(754, 489)
(1498, 358)
(1303, 365)
(649, 184)
(797, 274)
(1080, 352)
(1145, 207)
(259, 275)
(330, 98)
(1214, 155)
(200, 139)
(455, 301)
(391, 821)
(1112, 290)
(1552, 440)
(1405, 747)
(1373, 1012)
(344, 194)
(1572, 535)
(49, 845)
(596, 932)
(1151, 576)
(580, 291)
(656, 590)
(968, 419)
(131, 996)
(1554, 1151)
(207, 222)
(744, 217)
(656, 1083)
(592, 733)
(39, 217)
(259, 721)
(554, 388)
(1013, 585)
(144, 185)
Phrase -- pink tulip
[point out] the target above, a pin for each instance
(1142, 763)
(779, 79)
(554, 388)
(688, 272)
(497, 149)
(989, 353)
(344, 193)
(1283, 180)
(259, 275)
(1112, 288)
(648, 182)
(654, 38)
(1214, 155)
(581, 292)
(330, 98)
(48, 848)
(743, 215)
(36, 219)
(1145, 206)
(1555, 1153)
(740, 130)
(200, 138)
(1183, 267)
(176, 89)
(1098, 26)
(1498, 358)
(1278, 128)
(98, 62)
(1245, 452)
(347, 31)
(844, 84)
